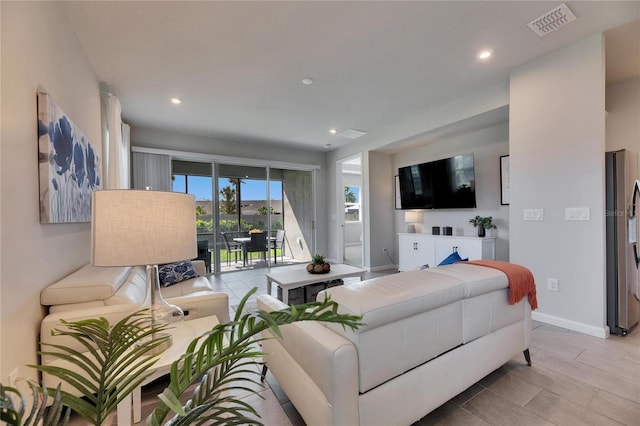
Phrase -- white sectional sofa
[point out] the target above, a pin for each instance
(92, 287)
(113, 293)
(428, 335)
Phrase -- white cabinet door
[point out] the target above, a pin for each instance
(471, 248)
(446, 246)
(415, 250)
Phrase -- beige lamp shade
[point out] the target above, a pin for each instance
(134, 227)
(412, 217)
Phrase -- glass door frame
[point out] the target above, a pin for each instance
(212, 159)
(216, 165)
(179, 167)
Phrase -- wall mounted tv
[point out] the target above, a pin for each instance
(443, 184)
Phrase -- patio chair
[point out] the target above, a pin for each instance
(204, 254)
(278, 243)
(258, 243)
(232, 247)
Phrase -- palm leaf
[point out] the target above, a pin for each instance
(117, 360)
(11, 415)
(223, 367)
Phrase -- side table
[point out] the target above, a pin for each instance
(182, 334)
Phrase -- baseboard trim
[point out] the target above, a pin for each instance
(602, 332)
(382, 268)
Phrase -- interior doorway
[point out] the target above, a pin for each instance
(349, 214)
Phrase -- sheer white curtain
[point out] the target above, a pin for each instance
(151, 171)
(116, 145)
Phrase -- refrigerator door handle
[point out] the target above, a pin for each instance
(633, 225)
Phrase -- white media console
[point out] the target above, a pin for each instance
(416, 250)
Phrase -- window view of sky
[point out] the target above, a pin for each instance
(355, 190)
(201, 187)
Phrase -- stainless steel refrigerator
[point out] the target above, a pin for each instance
(623, 256)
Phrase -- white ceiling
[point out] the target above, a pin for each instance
(238, 66)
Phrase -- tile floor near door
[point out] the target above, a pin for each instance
(574, 380)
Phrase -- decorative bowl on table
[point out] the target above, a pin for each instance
(318, 265)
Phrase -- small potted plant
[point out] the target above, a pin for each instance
(318, 265)
(483, 223)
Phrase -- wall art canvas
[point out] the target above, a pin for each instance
(69, 166)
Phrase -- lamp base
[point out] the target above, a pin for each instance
(411, 229)
(162, 313)
(160, 348)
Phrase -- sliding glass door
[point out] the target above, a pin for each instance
(195, 178)
(297, 213)
(235, 201)
(262, 200)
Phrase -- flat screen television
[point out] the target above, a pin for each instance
(442, 184)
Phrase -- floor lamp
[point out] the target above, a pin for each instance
(134, 227)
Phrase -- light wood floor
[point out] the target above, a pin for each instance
(575, 380)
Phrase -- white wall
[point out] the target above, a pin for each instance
(623, 116)
(161, 139)
(487, 145)
(431, 119)
(39, 46)
(556, 144)
(379, 211)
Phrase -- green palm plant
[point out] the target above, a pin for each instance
(11, 414)
(118, 359)
(121, 356)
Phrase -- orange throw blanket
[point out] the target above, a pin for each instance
(521, 282)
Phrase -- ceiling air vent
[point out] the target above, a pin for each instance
(352, 133)
(552, 20)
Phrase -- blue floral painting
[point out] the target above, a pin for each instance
(69, 166)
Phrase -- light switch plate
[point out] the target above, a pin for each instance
(533, 214)
(577, 213)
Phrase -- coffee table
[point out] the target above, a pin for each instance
(299, 277)
(182, 334)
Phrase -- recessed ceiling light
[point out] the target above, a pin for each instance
(333, 131)
(327, 145)
(307, 81)
(485, 54)
(176, 101)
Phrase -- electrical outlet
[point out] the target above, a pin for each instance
(552, 284)
(13, 376)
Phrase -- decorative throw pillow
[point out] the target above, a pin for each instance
(452, 258)
(173, 273)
